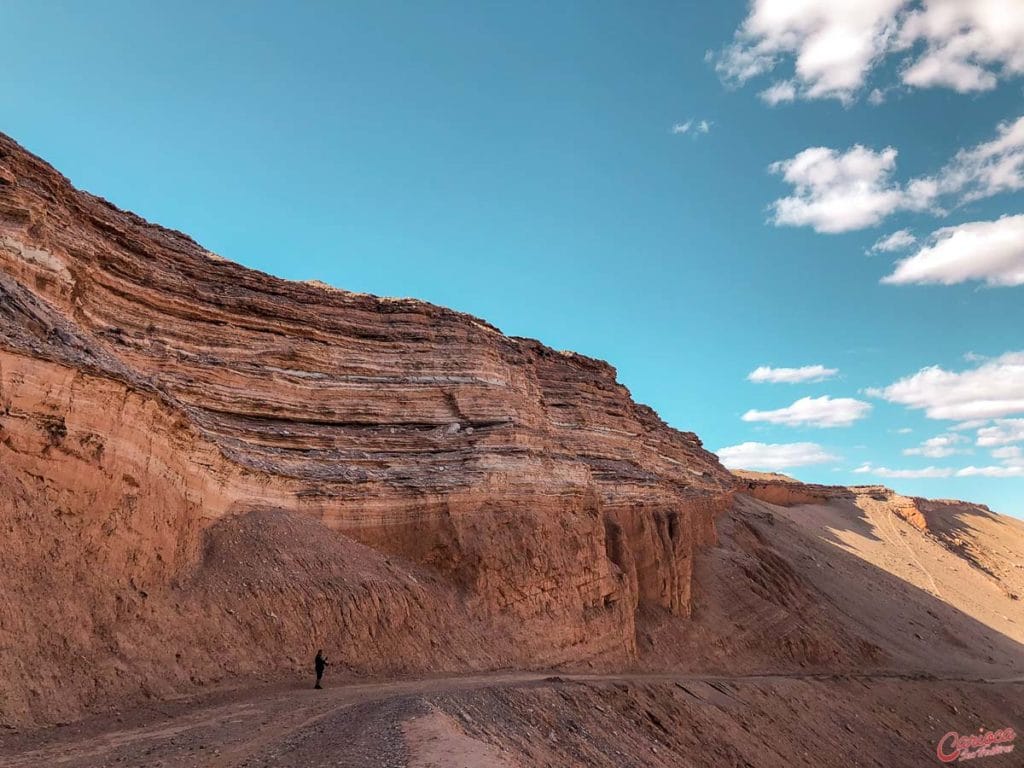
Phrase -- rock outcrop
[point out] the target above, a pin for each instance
(206, 470)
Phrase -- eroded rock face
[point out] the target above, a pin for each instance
(152, 393)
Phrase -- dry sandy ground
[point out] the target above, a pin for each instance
(831, 634)
(848, 587)
(436, 740)
(977, 587)
(527, 720)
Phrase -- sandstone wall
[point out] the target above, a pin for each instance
(157, 399)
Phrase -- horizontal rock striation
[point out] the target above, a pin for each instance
(156, 400)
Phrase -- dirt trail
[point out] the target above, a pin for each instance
(894, 532)
(365, 724)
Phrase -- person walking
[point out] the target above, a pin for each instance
(320, 663)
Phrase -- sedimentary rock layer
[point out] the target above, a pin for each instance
(152, 393)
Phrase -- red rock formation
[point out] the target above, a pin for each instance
(158, 404)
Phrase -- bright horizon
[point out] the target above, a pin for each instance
(810, 254)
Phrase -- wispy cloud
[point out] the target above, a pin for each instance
(939, 472)
(938, 447)
(987, 168)
(991, 471)
(1009, 453)
(822, 411)
(899, 240)
(807, 373)
(693, 127)
(905, 474)
(1003, 432)
(778, 93)
(773, 456)
(1011, 464)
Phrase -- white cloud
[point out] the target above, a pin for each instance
(838, 192)
(1010, 457)
(905, 474)
(904, 431)
(899, 240)
(989, 251)
(876, 97)
(1006, 470)
(1004, 431)
(1009, 454)
(766, 374)
(989, 168)
(993, 389)
(994, 471)
(834, 43)
(772, 456)
(821, 411)
(966, 45)
(693, 127)
(935, 70)
(970, 424)
(937, 447)
(779, 92)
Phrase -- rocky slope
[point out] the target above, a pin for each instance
(817, 633)
(989, 543)
(205, 470)
(207, 473)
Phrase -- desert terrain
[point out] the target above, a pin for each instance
(207, 474)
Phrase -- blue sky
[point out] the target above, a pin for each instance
(545, 166)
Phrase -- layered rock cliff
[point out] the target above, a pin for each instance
(206, 470)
